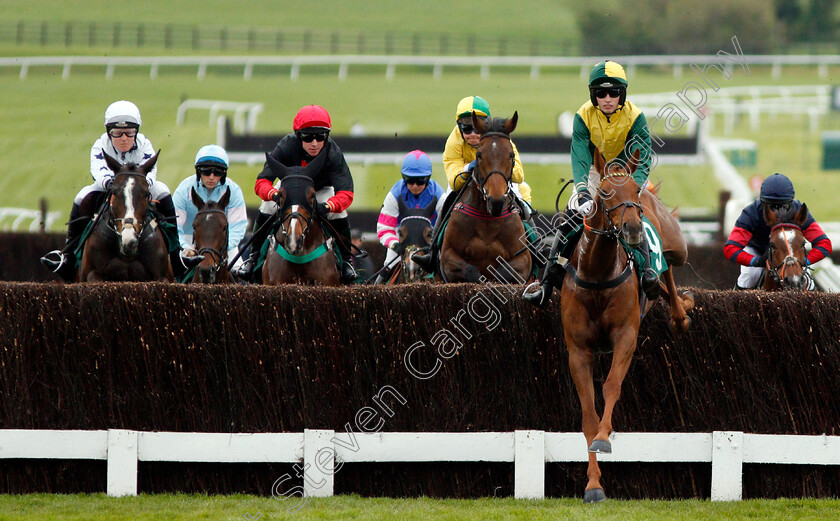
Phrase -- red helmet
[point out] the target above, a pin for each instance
(312, 116)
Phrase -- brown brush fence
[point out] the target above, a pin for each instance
(159, 357)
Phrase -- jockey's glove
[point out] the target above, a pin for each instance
(394, 245)
(108, 182)
(469, 167)
(584, 202)
(277, 198)
(322, 208)
(759, 260)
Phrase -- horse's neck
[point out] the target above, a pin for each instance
(598, 256)
(472, 195)
(314, 238)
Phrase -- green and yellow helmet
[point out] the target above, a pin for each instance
(472, 104)
(608, 74)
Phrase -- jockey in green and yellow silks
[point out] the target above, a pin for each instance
(612, 125)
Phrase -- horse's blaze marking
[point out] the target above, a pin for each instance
(129, 233)
(293, 229)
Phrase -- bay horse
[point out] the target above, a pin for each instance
(600, 298)
(299, 251)
(210, 237)
(126, 244)
(414, 234)
(785, 268)
(485, 229)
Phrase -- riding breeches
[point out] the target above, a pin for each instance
(270, 207)
(390, 256)
(750, 275)
(158, 190)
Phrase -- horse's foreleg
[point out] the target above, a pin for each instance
(679, 305)
(624, 345)
(580, 365)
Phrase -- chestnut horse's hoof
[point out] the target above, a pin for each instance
(687, 298)
(600, 447)
(595, 495)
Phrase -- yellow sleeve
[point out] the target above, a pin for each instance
(456, 154)
(518, 172)
(525, 191)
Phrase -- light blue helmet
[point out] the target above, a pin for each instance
(212, 154)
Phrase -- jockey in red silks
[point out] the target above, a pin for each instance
(333, 184)
(747, 243)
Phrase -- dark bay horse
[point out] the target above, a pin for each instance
(600, 301)
(414, 233)
(126, 244)
(299, 252)
(210, 237)
(485, 229)
(785, 268)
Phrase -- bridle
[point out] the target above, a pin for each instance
(220, 259)
(118, 224)
(612, 231)
(295, 215)
(505, 175)
(409, 250)
(777, 272)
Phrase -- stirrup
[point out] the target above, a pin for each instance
(540, 296)
(651, 290)
(191, 262)
(348, 273)
(54, 264)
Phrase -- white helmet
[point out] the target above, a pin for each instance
(122, 114)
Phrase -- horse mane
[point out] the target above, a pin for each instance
(496, 125)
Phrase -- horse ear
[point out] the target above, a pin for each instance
(479, 124)
(429, 210)
(770, 216)
(112, 163)
(150, 164)
(510, 125)
(801, 216)
(634, 162)
(196, 199)
(278, 168)
(600, 163)
(401, 205)
(315, 166)
(224, 199)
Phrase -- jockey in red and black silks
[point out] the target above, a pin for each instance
(333, 183)
(747, 243)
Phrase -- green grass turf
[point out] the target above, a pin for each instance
(46, 507)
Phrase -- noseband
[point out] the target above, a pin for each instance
(777, 273)
(505, 175)
(220, 259)
(118, 224)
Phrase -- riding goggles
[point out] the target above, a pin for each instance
(320, 137)
(613, 92)
(120, 132)
(416, 180)
(207, 171)
(467, 128)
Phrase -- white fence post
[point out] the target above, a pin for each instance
(122, 463)
(319, 463)
(529, 464)
(727, 465)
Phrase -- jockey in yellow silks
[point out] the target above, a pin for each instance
(459, 160)
(615, 127)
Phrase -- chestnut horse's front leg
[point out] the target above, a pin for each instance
(580, 365)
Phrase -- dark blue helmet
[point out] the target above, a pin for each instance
(777, 188)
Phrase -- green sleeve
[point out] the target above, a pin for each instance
(639, 139)
(581, 153)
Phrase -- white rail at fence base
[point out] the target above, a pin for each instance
(322, 452)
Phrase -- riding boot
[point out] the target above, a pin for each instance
(383, 276)
(165, 209)
(565, 239)
(260, 234)
(649, 278)
(347, 273)
(182, 265)
(428, 261)
(63, 262)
